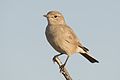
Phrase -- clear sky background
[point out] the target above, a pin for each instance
(25, 53)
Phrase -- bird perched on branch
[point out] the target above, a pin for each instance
(63, 39)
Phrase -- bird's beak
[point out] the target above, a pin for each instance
(45, 16)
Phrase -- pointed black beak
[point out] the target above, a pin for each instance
(45, 16)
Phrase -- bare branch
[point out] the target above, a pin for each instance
(63, 71)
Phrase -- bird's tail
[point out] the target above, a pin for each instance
(89, 57)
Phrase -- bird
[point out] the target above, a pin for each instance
(63, 39)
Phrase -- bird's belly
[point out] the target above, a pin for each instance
(58, 41)
(55, 44)
(62, 46)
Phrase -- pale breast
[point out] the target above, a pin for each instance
(54, 37)
(62, 39)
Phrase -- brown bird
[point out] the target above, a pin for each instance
(63, 39)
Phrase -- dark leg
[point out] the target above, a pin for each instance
(62, 66)
(66, 61)
(54, 58)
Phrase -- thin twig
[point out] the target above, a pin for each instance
(63, 71)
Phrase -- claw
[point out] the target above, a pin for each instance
(54, 59)
(62, 68)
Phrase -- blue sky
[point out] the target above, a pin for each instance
(25, 53)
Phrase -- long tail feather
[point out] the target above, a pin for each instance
(89, 57)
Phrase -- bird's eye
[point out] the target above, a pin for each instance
(55, 16)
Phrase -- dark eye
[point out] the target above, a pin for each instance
(55, 16)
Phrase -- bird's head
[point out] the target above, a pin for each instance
(55, 18)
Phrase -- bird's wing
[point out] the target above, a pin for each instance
(72, 38)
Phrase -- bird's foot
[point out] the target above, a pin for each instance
(62, 68)
(54, 59)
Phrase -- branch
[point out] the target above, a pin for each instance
(64, 71)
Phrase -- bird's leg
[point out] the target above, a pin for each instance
(54, 58)
(63, 65)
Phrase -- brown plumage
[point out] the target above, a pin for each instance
(62, 38)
